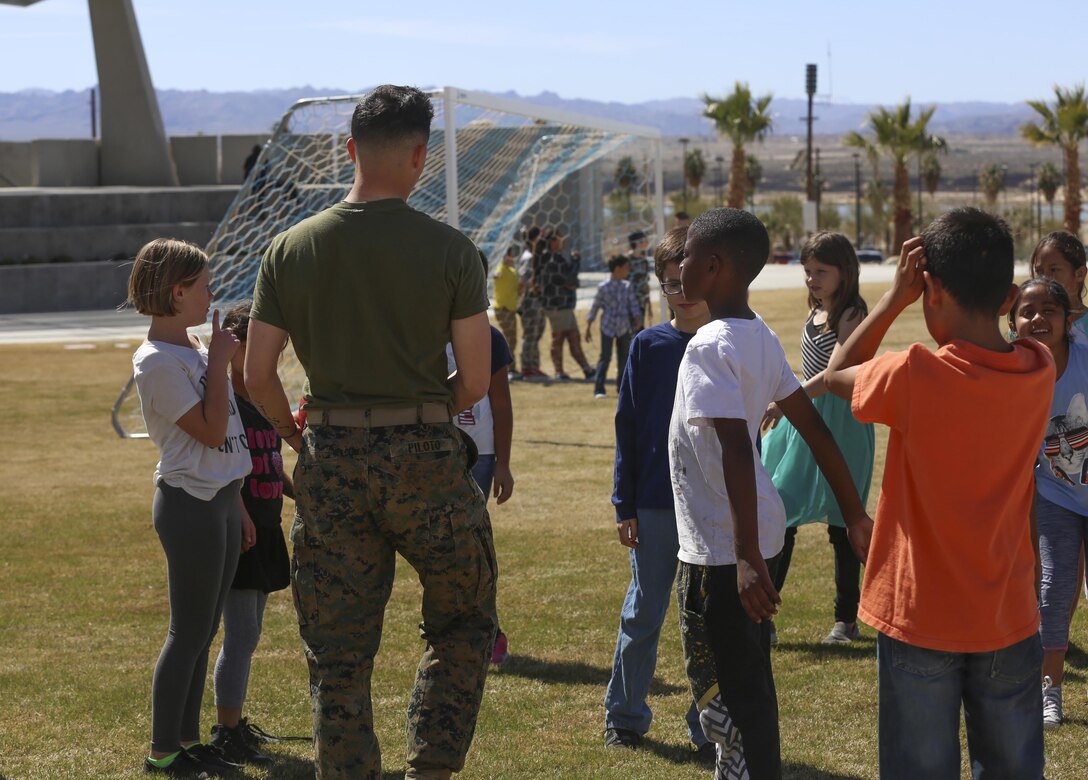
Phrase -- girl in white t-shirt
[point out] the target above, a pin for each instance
(191, 415)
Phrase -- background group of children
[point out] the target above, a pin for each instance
(951, 572)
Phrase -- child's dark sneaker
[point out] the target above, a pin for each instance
(235, 747)
(622, 738)
(211, 758)
(181, 765)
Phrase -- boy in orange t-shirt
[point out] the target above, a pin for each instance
(950, 582)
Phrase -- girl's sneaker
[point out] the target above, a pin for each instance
(183, 765)
(1052, 704)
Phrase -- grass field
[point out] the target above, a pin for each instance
(83, 604)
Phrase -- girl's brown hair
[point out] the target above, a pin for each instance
(835, 249)
(160, 266)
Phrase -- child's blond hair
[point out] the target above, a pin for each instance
(160, 266)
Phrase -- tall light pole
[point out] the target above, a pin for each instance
(1036, 226)
(721, 176)
(684, 170)
(810, 90)
(857, 198)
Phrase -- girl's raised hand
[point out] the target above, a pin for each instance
(223, 343)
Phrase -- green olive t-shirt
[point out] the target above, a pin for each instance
(366, 292)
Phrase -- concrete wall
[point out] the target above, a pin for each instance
(196, 158)
(65, 163)
(62, 287)
(16, 164)
(49, 163)
(233, 151)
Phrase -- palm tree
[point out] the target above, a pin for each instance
(694, 170)
(1065, 126)
(1050, 178)
(991, 180)
(896, 136)
(742, 119)
(753, 175)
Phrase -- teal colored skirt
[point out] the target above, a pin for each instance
(805, 492)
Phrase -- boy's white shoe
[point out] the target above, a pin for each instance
(1052, 704)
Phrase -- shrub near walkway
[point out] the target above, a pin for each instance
(83, 604)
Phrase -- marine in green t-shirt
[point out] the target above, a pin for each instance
(370, 291)
(367, 292)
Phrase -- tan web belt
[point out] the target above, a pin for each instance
(381, 418)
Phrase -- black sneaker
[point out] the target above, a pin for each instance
(705, 753)
(184, 765)
(622, 738)
(235, 748)
(212, 758)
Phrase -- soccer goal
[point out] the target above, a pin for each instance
(514, 164)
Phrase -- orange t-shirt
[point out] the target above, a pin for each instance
(951, 566)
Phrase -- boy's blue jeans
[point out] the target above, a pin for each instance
(653, 570)
(921, 692)
(623, 348)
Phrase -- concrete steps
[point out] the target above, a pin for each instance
(98, 223)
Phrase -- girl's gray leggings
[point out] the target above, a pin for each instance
(243, 617)
(202, 541)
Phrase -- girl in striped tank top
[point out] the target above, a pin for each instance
(835, 309)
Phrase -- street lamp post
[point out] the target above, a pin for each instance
(857, 198)
(684, 171)
(1036, 224)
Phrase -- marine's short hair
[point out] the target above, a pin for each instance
(670, 250)
(160, 266)
(971, 252)
(390, 114)
(734, 234)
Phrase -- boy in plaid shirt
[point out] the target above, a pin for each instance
(621, 317)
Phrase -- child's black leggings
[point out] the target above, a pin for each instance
(202, 540)
(742, 654)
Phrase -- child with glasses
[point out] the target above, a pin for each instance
(644, 504)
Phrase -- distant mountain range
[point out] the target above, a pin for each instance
(32, 114)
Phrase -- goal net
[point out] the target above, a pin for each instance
(516, 165)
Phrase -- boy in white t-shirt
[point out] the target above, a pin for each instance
(730, 520)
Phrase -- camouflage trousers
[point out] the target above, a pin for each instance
(728, 662)
(364, 495)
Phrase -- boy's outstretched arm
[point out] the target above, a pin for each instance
(754, 583)
(865, 340)
(803, 416)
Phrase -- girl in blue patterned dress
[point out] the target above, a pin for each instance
(835, 309)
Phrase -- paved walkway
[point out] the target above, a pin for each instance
(84, 327)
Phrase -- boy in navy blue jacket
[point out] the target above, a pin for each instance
(645, 519)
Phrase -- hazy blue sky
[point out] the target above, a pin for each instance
(599, 49)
